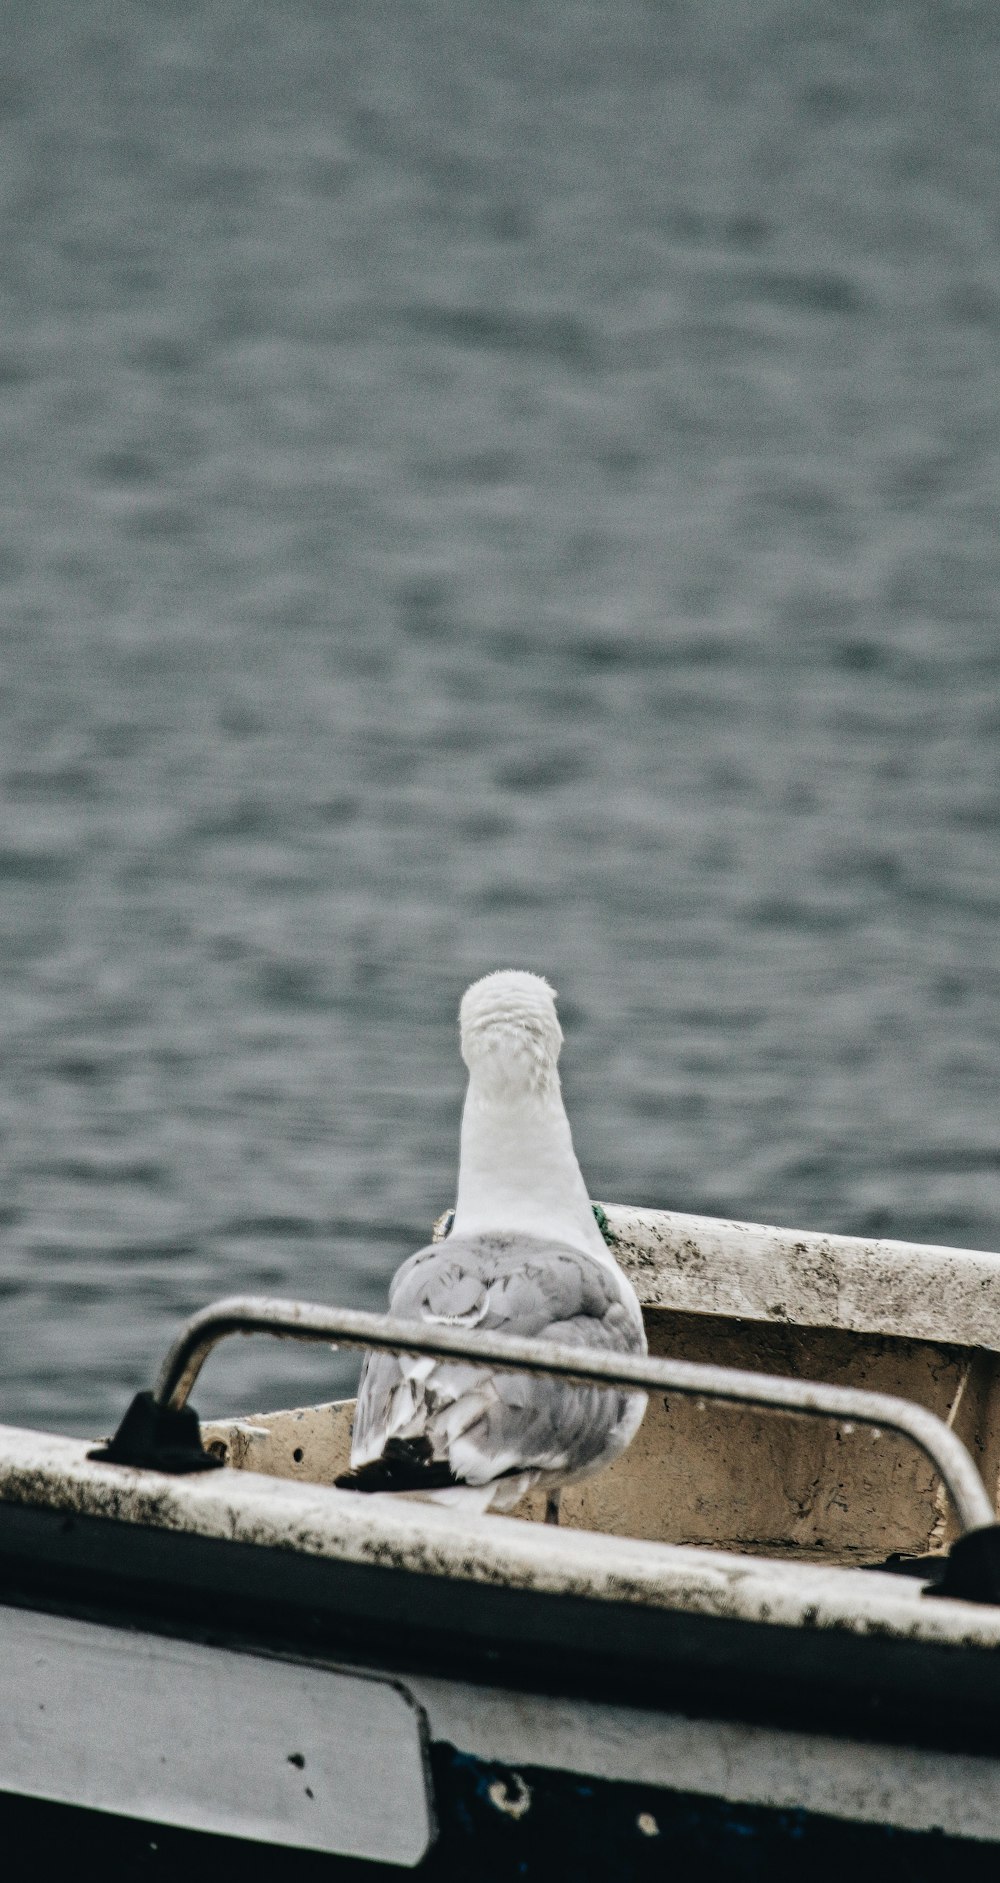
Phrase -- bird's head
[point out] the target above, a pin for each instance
(510, 1033)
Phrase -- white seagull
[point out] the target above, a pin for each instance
(525, 1256)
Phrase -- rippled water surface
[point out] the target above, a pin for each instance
(508, 485)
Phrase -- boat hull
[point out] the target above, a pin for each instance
(538, 1733)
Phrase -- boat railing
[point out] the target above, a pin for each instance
(167, 1405)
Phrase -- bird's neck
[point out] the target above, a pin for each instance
(518, 1168)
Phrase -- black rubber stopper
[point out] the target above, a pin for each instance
(972, 1567)
(154, 1438)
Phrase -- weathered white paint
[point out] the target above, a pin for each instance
(860, 1781)
(244, 1745)
(701, 1265)
(41, 1469)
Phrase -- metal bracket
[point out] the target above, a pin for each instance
(153, 1437)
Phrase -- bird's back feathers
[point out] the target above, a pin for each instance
(479, 1423)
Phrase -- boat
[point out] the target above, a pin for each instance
(766, 1641)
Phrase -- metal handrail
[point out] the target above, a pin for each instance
(352, 1327)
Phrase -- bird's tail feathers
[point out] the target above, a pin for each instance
(406, 1464)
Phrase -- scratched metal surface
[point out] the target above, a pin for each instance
(484, 488)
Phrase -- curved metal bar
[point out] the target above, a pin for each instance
(351, 1327)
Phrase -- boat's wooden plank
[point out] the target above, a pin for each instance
(242, 1745)
(308, 1444)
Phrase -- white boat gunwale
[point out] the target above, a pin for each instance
(808, 1278)
(42, 1471)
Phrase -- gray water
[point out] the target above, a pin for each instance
(485, 485)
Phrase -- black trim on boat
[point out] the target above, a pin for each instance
(972, 1567)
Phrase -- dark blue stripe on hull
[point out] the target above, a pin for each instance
(502, 1826)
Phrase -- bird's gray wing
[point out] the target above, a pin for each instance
(482, 1422)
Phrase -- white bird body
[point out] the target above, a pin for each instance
(524, 1256)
